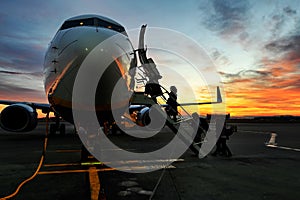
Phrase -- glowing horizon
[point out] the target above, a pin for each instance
(255, 46)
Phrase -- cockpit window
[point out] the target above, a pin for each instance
(92, 22)
(74, 23)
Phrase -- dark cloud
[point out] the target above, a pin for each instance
(288, 47)
(26, 31)
(244, 76)
(38, 74)
(254, 73)
(289, 11)
(21, 93)
(281, 45)
(21, 54)
(18, 93)
(290, 82)
(280, 20)
(227, 17)
(8, 89)
(216, 54)
(219, 57)
(296, 30)
(273, 78)
(277, 21)
(16, 85)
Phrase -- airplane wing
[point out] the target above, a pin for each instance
(219, 100)
(41, 106)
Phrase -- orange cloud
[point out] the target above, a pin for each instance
(276, 91)
(266, 101)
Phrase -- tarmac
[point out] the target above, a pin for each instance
(255, 171)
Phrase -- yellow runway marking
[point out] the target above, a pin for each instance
(71, 164)
(92, 163)
(94, 183)
(93, 177)
(73, 171)
(61, 164)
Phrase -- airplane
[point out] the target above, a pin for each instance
(76, 37)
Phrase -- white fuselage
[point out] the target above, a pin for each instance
(64, 56)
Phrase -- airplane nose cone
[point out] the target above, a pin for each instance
(70, 48)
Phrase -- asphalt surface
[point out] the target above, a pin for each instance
(253, 172)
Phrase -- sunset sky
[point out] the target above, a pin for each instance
(255, 45)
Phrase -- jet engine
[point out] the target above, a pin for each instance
(143, 118)
(18, 118)
(153, 117)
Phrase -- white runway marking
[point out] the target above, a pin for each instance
(272, 143)
(261, 132)
(282, 147)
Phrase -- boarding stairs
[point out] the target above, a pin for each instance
(147, 77)
(155, 94)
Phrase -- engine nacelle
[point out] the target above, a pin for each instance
(18, 118)
(143, 118)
